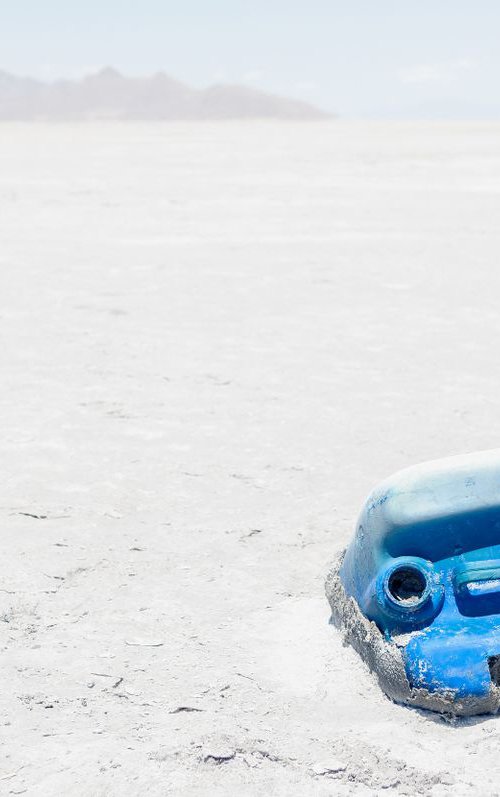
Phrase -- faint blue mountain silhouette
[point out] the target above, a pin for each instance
(111, 95)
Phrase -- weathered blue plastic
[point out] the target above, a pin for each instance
(425, 561)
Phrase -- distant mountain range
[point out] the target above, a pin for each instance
(109, 95)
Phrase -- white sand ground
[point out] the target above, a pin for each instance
(214, 340)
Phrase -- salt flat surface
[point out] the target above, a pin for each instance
(216, 338)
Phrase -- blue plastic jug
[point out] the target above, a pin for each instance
(417, 591)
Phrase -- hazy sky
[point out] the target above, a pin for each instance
(357, 57)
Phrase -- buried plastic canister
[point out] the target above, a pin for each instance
(425, 567)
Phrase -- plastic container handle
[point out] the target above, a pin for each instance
(479, 578)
